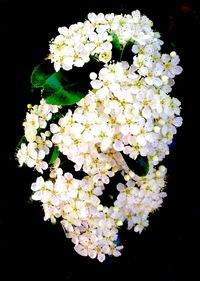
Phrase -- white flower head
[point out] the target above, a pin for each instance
(125, 120)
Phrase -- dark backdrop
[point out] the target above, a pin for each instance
(32, 249)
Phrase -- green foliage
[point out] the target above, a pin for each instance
(56, 87)
(140, 166)
(116, 42)
(58, 92)
(40, 74)
(117, 47)
(121, 52)
(54, 155)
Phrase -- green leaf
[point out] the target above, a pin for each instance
(63, 87)
(54, 155)
(117, 47)
(41, 73)
(59, 91)
(115, 41)
(62, 97)
(140, 166)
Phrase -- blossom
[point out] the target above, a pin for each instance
(123, 123)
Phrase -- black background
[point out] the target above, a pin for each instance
(31, 249)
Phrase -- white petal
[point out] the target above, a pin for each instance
(56, 138)
(118, 145)
(141, 140)
(54, 128)
(178, 121)
(146, 112)
(121, 197)
(134, 129)
(44, 165)
(37, 196)
(30, 163)
(96, 84)
(124, 130)
(101, 257)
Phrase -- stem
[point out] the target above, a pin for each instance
(120, 59)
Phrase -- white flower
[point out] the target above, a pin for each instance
(43, 143)
(42, 190)
(127, 112)
(105, 56)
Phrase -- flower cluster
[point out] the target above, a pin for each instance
(124, 124)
